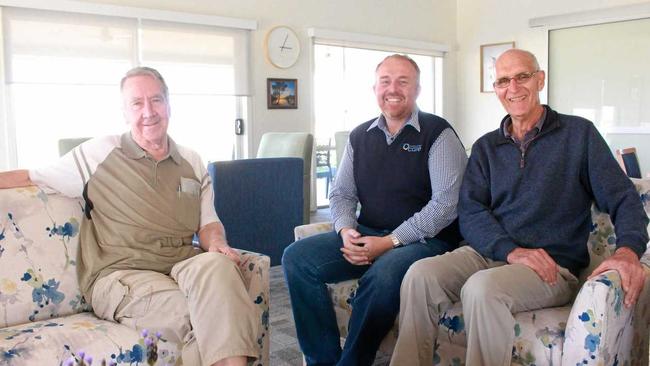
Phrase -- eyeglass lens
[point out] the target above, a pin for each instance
(519, 79)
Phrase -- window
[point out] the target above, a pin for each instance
(62, 73)
(343, 96)
(343, 81)
(612, 92)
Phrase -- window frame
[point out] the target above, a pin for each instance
(378, 43)
(320, 36)
(8, 128)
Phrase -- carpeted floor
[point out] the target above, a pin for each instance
(284, 344)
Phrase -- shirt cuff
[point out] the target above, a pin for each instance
(405, 235)
(502, 249)
(639, 250)
(343, 223)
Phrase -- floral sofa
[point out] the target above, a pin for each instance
(44, 320)
(595, 330)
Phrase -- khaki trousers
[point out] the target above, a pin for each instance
(490, 292)
(202, 305)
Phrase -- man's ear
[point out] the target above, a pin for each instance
(541, 81)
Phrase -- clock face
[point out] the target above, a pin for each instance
(282, 47)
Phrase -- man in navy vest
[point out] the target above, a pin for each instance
(525, 210)
(404, 168)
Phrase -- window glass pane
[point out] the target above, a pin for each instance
(358, 69)
(63, 74)
(204, 123)
(437, 88)
(329, 90)
(425, 100)
(201, 119)
(343, 82)
(343, 91)
(46, 113)
(608, 81)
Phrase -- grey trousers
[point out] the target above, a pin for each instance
(490, 292)
(202, 305)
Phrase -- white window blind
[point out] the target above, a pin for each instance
(211, 54)
(206, 70)
(55, 47)
(62, 73)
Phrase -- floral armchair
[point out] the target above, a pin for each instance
(43, 318)
(596, 329)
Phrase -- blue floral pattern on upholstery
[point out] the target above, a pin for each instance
(453, 323)
(595, 330)
(44, 319)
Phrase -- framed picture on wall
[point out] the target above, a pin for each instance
(489, 55)
(281, 93)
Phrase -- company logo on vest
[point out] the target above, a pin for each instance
(411, 148)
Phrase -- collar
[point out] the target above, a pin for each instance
(550, 122)
(505, 127)
(133, 151)
(380, 122)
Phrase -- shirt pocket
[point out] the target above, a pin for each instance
(188, 210)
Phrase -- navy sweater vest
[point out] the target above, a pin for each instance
(393, 181)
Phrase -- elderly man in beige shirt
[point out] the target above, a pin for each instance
(145, 198)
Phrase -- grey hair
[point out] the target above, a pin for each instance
(146, 71)
(405, 58)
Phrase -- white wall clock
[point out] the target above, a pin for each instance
(282, 47)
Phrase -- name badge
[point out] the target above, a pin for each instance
(411, 148)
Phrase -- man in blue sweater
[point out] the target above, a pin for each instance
(524, 209)
(405, 169)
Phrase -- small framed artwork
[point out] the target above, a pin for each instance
(489, 55)
(281, 93)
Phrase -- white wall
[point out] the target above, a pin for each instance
(494, 21)
(421, 20)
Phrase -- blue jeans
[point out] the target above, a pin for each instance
(309, 264)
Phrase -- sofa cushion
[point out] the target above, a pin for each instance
(38, 250)
(52, 342)
(41, 312)
(539, 334)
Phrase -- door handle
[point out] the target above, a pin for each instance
(239, 126)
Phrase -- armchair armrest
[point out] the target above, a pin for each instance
(303, 231)
(255, 271)
(601, 330)
(254, 268)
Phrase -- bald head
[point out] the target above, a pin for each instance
(522, 56)
(518, 83)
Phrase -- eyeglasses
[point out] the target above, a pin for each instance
(520, 78)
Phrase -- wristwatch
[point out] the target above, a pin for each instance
(396, 242)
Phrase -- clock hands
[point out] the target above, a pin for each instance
(282, 47)
(284, 44)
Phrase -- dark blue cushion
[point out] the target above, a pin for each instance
(259, 201)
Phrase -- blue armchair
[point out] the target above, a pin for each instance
(259, 201)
